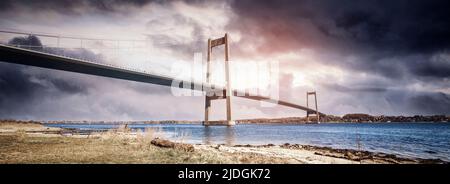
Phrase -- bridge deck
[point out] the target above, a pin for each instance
(28, 57)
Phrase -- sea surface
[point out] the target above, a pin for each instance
(419, 140)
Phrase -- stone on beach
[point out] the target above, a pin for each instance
(169, 144)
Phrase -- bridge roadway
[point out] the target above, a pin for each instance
(28, 57)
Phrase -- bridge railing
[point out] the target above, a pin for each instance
(70, 54)
(84, 53)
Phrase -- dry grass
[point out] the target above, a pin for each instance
(8, 126)
(110, 147)
(121, 145)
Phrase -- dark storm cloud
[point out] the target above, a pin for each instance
(434, 66)
(372, 29)
(82, 6)
(70, 6)
(404, 42)
(393, 102)
(410, 25)
(19, 86)
(20, 89)
(16, 82)
(417, 103)
(430, 103)
(344, 89)
(26, 41)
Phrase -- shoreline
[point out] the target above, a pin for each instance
(24, 133)
(361, 156)
(332, 151)
(238, 123)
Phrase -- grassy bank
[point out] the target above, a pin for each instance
(20, 146)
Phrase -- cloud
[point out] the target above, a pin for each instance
(382, 47)
(74, 7)
(430, 103)
(372, 30)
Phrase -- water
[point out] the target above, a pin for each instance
(422, 140)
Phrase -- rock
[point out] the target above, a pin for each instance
(163, 143)
(296, 146)
(169, 144)
(352, 156)
(285, 145)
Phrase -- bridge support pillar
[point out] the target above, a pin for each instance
(307, 106)
(227, 92)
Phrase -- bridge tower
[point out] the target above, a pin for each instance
(227, 92)
(307, 106)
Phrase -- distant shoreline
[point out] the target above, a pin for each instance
(240, 123)
(348, 118)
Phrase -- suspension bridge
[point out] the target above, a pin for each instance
(34, 53)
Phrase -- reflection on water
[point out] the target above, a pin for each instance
(211, 134)
(230, 135)
(208, 134)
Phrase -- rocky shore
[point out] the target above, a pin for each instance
(295, 153)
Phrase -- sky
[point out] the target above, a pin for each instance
(374, 57)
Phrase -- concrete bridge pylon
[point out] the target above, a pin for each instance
(227, 92)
